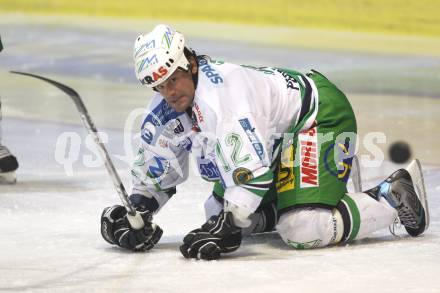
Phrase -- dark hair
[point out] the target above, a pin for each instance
(191, 53)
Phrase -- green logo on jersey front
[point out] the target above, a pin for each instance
(140, 158)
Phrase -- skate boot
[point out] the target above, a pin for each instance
(405, 191)
(8, 165)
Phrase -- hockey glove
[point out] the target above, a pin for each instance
(116, 229)
(218, 235)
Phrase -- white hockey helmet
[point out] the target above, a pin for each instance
(158, 54)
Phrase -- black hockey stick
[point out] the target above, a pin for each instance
(133, 216)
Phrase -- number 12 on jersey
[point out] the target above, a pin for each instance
(235, 144)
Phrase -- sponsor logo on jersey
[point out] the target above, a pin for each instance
(344, 163)
(162, 167)
(198, 113)
(157, 118)
(186, 144)
(208, 170)
(195, 125)
(179, 127)
(253, 138)
(210, 72)
(286, 176)
(309, 160)
(335, 229)
(140, 158)
(304, 245)
(148, 131)
(291, 83)
(242, 175)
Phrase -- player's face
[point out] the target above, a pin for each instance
(178, 90)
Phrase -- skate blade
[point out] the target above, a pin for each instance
(415, 170)
(8, 178)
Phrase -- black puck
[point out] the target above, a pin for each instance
(399, 152)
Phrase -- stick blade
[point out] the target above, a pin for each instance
(69, 91)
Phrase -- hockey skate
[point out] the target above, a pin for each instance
(405, 191)
(8, 165)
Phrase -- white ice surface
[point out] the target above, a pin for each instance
(50, 240)
(49, 222)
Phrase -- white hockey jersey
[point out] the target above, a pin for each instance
(238, 114)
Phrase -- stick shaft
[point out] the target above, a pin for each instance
(88, 123)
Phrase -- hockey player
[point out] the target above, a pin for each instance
(8, 163)
(263, 135)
